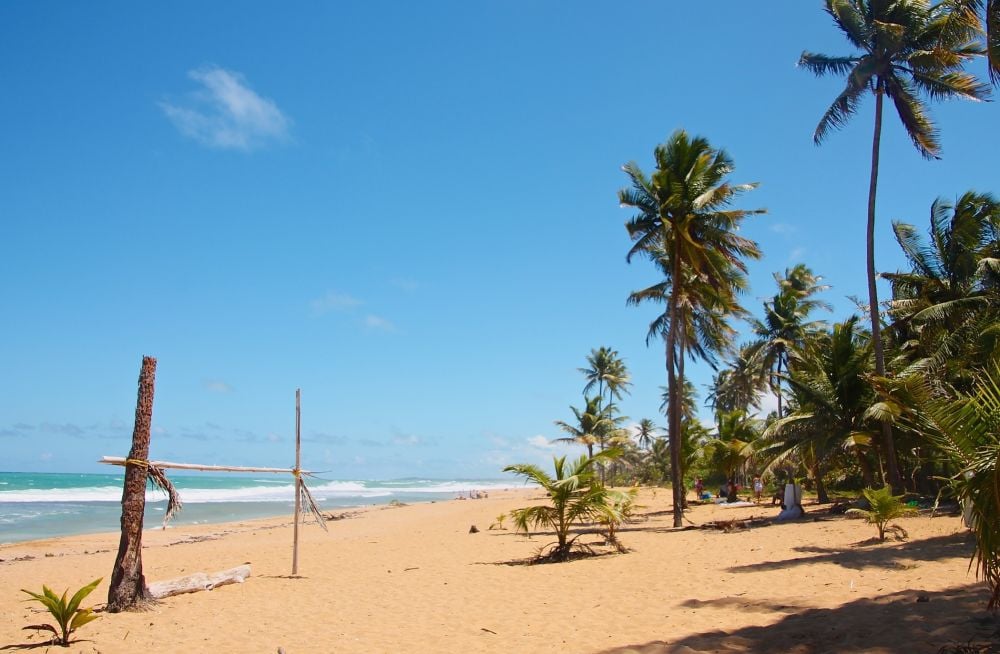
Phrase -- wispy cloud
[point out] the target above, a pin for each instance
(218, 386)
(226, 113)
(334, 301)
(379, 323)
(783, 228)
(539, 442)
(405, 284)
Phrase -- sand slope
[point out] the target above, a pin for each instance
(413, 579)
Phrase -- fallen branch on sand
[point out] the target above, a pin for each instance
(735, 525)
(199, 581)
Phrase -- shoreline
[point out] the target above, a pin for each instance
(412, 578)
(50, 509)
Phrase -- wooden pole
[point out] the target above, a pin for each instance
(128, 585)
(298, 480)
(119, 461)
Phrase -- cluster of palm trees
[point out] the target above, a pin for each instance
(873, 400)
(905, 398)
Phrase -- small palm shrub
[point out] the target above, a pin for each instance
(622, 511)
(575, 493)
(885, 507)
(499, 523)
(68, 615)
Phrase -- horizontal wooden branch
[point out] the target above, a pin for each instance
(119, 461)
(199, 581)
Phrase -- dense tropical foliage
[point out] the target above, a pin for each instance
(901, 400)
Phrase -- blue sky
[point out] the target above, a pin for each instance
(407, 210)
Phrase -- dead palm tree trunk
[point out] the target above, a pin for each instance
(128, 585)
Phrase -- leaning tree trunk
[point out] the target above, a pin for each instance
(128, 585)
(892, 468)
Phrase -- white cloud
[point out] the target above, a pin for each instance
(796, 255)
(540, 442)
(334, 301)
(377, 322)
(226, 113)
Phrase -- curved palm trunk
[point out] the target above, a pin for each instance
(892, 468)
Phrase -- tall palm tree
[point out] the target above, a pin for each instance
(645, 433)
(606, 369)
(907, 48)
(737, 386)
(785, 328)
(734, 443)
(954, 272)
(990, 10)
(684, 222)
(594, 425)
(832, 397)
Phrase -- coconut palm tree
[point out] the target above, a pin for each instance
(645, 433)
(950, 295)
(575, 496)
(832, 396)
(963, 427)
(990, 11)
(737, 386)
(785, 328)
(907, 48)
(593, 424)
(735, 441)
(683, 222)
(607, 370)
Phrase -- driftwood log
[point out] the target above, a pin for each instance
(199, 581)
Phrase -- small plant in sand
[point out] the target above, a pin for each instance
(885, 507)
(622, 511)
(499, 523)
(576, 496)
(68, 615)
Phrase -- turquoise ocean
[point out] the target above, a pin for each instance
(42, 505)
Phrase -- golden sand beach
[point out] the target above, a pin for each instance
(413, 579)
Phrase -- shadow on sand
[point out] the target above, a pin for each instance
(904, 622)
(873, 555)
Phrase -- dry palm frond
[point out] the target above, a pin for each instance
(174, 504)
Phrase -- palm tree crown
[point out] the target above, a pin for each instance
(908, 48)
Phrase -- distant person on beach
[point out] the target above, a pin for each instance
(758, 489)
(699, 488)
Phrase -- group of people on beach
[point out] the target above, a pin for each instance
(473, 495)
(730, 489)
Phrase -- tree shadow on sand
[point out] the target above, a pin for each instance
(868, 555)
(905, 622)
